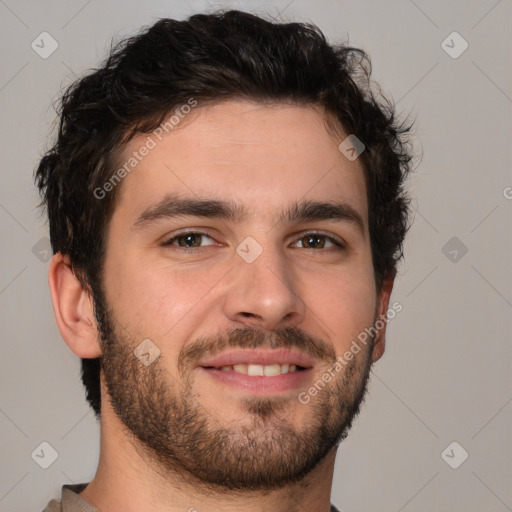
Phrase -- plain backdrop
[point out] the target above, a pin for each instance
(446, 373)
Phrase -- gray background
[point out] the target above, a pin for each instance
(446, 374)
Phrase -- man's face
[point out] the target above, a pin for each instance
(265, 288)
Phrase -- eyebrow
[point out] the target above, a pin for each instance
(172, 206)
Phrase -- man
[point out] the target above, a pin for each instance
(226, 211)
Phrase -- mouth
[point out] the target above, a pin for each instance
(260, 372)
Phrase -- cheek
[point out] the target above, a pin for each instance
(345, 303)
(157, 299)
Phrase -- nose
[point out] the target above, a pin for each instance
(264, 293)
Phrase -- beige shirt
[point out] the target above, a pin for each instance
(71, 502)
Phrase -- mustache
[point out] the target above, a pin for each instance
(248, 337)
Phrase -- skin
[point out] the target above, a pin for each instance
(265, 157)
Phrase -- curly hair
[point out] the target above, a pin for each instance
(210, 57)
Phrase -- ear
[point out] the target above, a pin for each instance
(73, 308)
(381, 313)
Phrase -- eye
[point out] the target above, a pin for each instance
(318, 241)
(193, 239)
(188, 240)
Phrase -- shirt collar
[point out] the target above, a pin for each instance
(71, 502)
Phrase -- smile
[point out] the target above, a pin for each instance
(269, 370)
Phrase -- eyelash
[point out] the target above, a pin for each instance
(169, 242)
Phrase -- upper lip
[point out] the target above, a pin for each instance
(258, 356)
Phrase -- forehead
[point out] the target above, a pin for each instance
(264, 156)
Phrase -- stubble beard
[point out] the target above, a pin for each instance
(177, 436)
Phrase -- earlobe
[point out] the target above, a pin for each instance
(381, 320)
(73, 308)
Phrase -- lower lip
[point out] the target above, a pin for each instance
(260, 384)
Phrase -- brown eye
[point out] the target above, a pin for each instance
(189, 240)
(313, 241)
(318, 241)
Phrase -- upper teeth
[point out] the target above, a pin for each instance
(269, 370)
